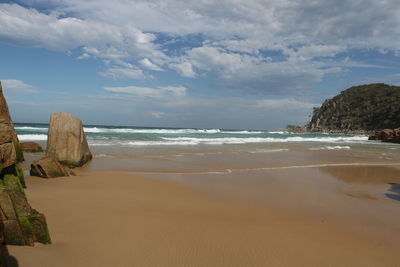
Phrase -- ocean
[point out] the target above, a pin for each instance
(135, 141)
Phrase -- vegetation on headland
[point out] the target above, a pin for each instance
(359, 109)
(366, 107)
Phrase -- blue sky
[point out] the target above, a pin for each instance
(213, 64)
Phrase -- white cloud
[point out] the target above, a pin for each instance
(116, 45)
(121, 73)
(208, 111)
(185, 69)
(313, 51)
(30, 27)
(253, 73)
(175, 90)
(149, 92)
(136, 90)
(18, 86)
(285, 103)
(149, 65)
(84, 56)
(158, 114)
(250, 45)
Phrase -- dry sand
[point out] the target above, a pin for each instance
(120, 219)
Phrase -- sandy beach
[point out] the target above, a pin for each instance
(167, 133)
(282, 217)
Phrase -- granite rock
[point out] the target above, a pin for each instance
(22, 224)
(31, 147)
(49, 167)
(8, 134)
(66, 140)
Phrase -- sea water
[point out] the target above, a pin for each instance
(128, 140)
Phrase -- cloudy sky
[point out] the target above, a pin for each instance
(256, 64)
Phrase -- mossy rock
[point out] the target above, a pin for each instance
(13, 234)
(7, 205)
(14, 170)
(20, 174)
(18, 152)
(12, 182)
(26, 229)
(20, 203)
(26, 225)
(39, 228)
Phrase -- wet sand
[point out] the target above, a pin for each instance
(288, 217)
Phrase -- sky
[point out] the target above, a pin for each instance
(238, 64)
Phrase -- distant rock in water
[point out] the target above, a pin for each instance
(366, 107)
(31, 147)
(66, 141)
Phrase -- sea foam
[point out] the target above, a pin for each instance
(32, 137)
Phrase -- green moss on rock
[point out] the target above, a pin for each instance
(14, 170)
(26, 229)
(18, 152)
(20, 174)
(39, 228)
(12, 182)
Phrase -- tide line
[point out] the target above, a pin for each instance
(229, 171)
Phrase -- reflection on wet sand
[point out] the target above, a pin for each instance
(370, 175)
(395, 189)
(365, 174)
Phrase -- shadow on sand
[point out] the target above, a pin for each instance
(10, 261)
(395, 189)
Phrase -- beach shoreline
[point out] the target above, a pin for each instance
(274, 217)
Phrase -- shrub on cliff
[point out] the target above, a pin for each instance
(365, 107)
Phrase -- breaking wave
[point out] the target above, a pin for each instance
(32, 137)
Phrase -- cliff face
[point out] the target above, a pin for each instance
(365, 107)
(23, 225)
(7, 129)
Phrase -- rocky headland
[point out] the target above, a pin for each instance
(371, 109)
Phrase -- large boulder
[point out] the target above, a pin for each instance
(66, 140)
(22, 224)
(8, 135)
(31, 147)
(49, 167)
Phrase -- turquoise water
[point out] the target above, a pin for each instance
(152, 141)
(219, 145)
(146, 136)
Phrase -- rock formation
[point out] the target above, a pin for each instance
(2, 256)
(49, 167)
(31, 147)
(366, 107)
(9, 136)
(387, 135)
(22, 224)
(66, 140)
